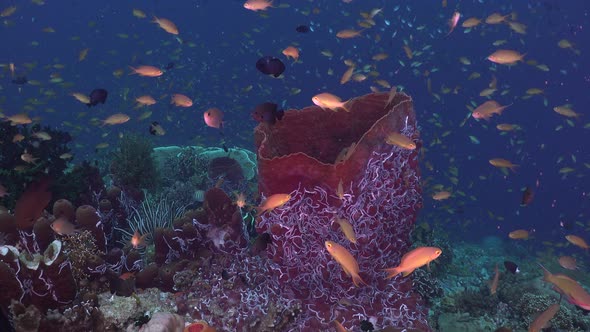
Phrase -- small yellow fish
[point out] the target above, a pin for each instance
(347, 229)
(83, 54)
(400, 140)
(346, 261)
(138, 13)
(116, 119)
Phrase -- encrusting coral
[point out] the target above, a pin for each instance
(133, 165)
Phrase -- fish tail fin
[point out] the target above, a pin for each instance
(392, 272)
(133, 70)
(155, 20)
(546, 274)
(347, 105)
(513, 167)
(356, 279)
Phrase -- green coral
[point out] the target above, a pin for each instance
(566, 319)
(475, 302)
(133, 164)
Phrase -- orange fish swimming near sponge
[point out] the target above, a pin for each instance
(346, 261)
(272, 202)
(414, 259)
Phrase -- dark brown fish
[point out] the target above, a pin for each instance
(97, 96)
(270, 65)
(268, 113)
(527, 196)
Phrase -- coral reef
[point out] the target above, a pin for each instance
(164, 322)
(84, 316)
(122, 311)
(79, 184)
(227, 168)
(15, 174)
(44, 280)
(80, 249)
(133, 166)
(567, 318)
(152, 213)
(25, 319)
(426, 285)
(424, 234)
(192, 162)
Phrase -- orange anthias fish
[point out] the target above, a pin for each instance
(145, 100)
(566, 111)
(63, 227)
(471, 22)
(503, 163)
(568, 262)
(274, 201)
(441, 195)
(167, 25)
(18, 137)
(213, 118)
(137, 240)
(84, 99)
(519, 234)
(414, 259)
(505, 57)
(573, 292)
(541, 321)
(494, 281)
(453, 22)
(148, 71)
(116, 119)
(181, 100)
(256, 5)
(400, 140)
(291, 52)
(496, 18)
(19, 119)
(339, 327)
(488, 109)
(347, 75)
(329, 101)
(506, 127)
(346, 261)
(349, 33)
(577, 241)
(28, 158)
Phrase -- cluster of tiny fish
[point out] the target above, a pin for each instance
(381, 213)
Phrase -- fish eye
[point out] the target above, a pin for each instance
(438, 252)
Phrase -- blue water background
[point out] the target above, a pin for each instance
(228, 40)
